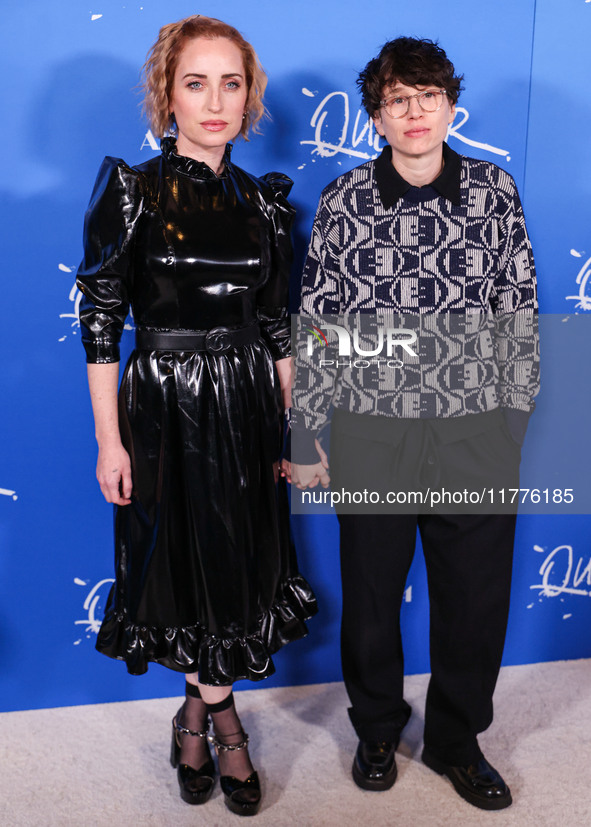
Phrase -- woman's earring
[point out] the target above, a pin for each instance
(244, 116)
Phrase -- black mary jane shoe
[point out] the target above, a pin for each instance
(196, 786)
(374, 767)
(242, 797)
(478, 784)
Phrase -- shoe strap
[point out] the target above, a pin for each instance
(203, 733)
(219, 745)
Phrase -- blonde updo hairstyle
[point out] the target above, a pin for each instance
(160, 67)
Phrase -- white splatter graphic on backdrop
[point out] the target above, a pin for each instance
(74, 296)
(582, 298)
(8, 492)
(92, 603)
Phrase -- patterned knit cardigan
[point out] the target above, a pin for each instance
(461, 276)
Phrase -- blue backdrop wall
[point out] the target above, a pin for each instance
(70, 73)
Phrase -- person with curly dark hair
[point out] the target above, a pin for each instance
(422, 232)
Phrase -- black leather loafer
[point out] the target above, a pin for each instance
(478, 784)
(374, 767)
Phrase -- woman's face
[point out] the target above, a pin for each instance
(418, 133)
(208, 97)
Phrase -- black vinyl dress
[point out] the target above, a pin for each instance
(206, 575)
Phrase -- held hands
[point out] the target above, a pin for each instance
(308, 476)
(113, 472)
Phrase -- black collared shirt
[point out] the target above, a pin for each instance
(392, 186)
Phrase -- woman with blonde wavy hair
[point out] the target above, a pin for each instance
(206, 577)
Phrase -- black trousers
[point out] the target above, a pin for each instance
(468, 559)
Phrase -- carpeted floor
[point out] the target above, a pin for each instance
(108, 764)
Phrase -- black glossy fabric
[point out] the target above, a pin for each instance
(206, 575)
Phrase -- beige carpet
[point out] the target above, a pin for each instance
(108, 764)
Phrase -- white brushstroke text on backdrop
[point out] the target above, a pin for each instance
(334, 133)
(563, 572)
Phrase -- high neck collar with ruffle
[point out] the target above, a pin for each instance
(189, 166)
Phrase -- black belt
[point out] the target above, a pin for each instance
(216, 340)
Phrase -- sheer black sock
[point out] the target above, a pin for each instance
(193, 715)
(228, 731)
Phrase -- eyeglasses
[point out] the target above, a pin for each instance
(430, 101)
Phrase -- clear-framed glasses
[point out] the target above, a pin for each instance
(431, 100)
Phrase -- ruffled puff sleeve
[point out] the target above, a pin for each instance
(105, 275)
(272, 299)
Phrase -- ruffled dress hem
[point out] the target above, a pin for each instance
(219, 661)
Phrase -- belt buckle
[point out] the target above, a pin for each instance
(218, 340)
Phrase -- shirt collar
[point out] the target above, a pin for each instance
(392, 186)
